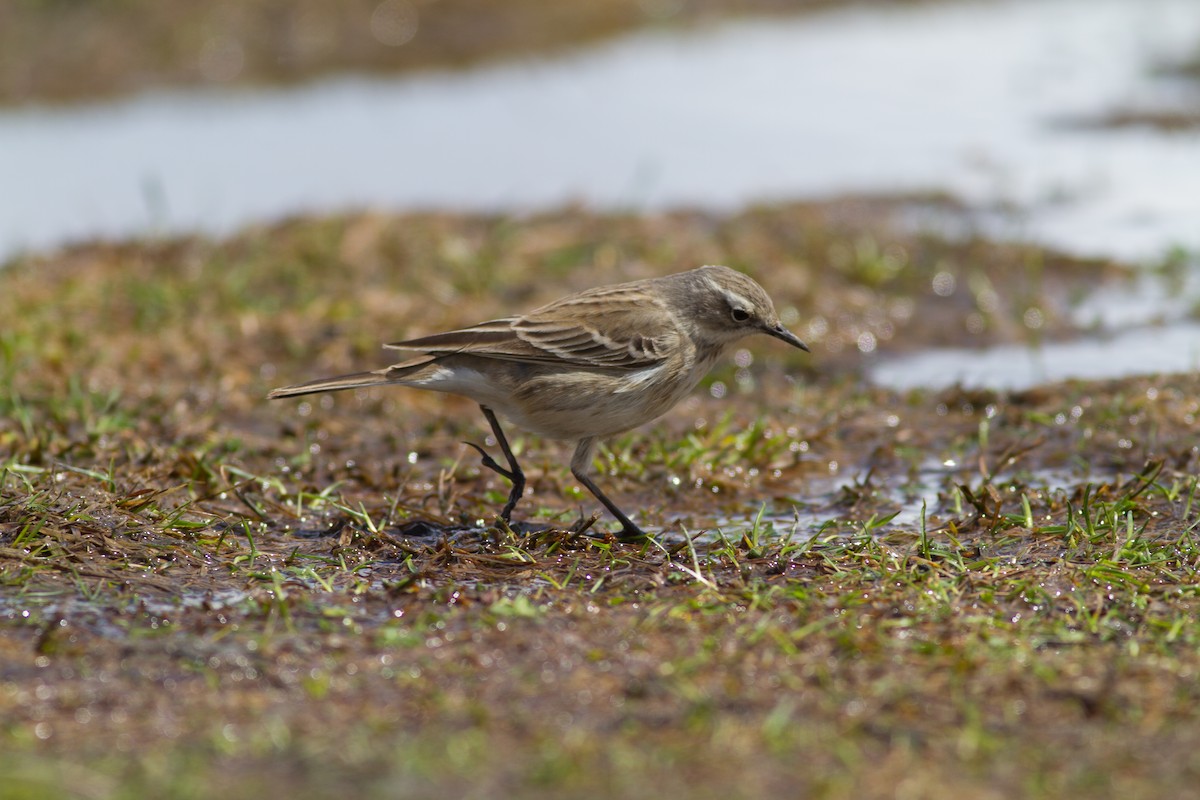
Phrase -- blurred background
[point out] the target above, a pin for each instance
(1073, 124)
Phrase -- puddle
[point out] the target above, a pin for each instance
(63, 610)
(926, 499)
(1142, 351)
(1143, 327)
(1152, 299)
(965, 96)
(824, 511)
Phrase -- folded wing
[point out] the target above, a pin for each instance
(623, 330)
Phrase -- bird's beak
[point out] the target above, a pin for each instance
(779, 332)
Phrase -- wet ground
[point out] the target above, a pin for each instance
(206, 591)
(950, 553)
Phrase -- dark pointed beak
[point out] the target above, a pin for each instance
(779, 332)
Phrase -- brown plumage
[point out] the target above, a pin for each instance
(584, 367)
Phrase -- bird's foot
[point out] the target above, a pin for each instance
(491, 463)
(513, 475)
(632, 534)
(628, 532)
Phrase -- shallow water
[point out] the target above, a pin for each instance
(1139, 351)
(961, 96)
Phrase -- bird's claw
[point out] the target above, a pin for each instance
(628, 533)
(489, 462)
(632, 534)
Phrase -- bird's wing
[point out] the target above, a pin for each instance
(607, 331)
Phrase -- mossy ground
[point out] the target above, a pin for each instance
(203, 592)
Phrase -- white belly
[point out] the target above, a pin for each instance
(572, 404)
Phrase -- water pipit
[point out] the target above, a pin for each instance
(587, 366)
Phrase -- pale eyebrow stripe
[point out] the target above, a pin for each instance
(733, 298)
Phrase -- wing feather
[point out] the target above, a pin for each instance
(607, 329)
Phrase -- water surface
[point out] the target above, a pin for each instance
(962, 96)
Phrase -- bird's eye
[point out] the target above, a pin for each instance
(740, 315)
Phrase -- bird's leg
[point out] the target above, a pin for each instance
(513, 473)
(579, 466)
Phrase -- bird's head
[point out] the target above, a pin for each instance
(724, 305)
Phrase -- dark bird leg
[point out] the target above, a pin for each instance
(513, 473)
(579, 466)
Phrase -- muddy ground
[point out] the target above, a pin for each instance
(851, 592)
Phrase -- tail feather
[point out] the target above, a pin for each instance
(396, 373)
(358, 380)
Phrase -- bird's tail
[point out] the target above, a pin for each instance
(397, 373)
(358, 380)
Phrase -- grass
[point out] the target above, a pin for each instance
(857, 593)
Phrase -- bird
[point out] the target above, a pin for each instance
(584, 367)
